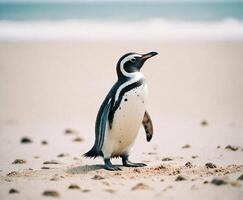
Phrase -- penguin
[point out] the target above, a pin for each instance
(122, 112)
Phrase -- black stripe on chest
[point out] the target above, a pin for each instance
(118, 102)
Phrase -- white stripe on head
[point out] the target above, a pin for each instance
(135, 76)
(124, 60)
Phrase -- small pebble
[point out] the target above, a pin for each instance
(204, 123)
(77, 139)
(186, 146)
(51, 193)
(232, 148)
(51, 162)
(167, 159)
(110, 190)
(69, 131)
(218, 182)
(45, 167)
(194, 157)
(13, 173)
(140, 186)
(240, 177)
(19, 161)
(86, 190)
(62, 155)
(210, 165)
(12, 191)
(74, 186)
(26, 140)
(44, 142)
(188, 164)
(180, 178)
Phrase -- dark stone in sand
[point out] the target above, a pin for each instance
(205, 182)
(180, 178)
(26, 140)
(194, 157)
(62, 155)
(51, 193)
(218, 182)
(160, 167)
(13, 173)
(218, 147)
(69, 131)
(19, 161)
(240, 177)
(167, 159)
(78, 139)
(232, 148)
(140, 186)
(97, 177)
(44, 142)
(12, 191)
(186, 146)
(210, 165)
(188, 164)
(45, 167)
(204, 123)
(74, 186)
(51, 162)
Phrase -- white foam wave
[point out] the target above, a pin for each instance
(152, 30)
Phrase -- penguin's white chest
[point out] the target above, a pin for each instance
(126, 123)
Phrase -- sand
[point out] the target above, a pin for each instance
(50, 93)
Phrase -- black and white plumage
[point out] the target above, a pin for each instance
(122, 112)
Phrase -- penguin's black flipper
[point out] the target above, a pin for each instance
(100, 128)
(148, 126)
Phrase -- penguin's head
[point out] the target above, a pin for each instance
(131, 63)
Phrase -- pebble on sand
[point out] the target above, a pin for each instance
(74, 186)
(12, 191)
(240, 177)
(51, 162)
(195, 156)
(13, 173)
(218, 182)
(44, 142)
(62, 155)
(204, 123)
(180, 178)
(110, 190)
(188, 164)
(78, 139)
(186, 146)
(51, 193)
(140, 186)
(232, 148)
(167, 159)
(210, 165)
(70, 131)
(19, 161)
(26, 140)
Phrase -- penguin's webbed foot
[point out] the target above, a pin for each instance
(109, 166)
(128, 163)
(131, 164)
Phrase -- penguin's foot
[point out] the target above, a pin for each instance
(131, 164)
(109, 166)
(128, 163)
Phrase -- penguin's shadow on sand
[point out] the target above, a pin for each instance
(86, 169)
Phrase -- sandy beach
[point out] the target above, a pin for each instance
(50, 93)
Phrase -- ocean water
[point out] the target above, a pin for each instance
(122, 21)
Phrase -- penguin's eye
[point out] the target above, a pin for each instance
(133, 60)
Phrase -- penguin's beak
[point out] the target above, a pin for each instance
(148, 55)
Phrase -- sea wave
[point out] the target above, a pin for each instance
(148, 30)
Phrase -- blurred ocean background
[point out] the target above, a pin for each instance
(117, 20)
